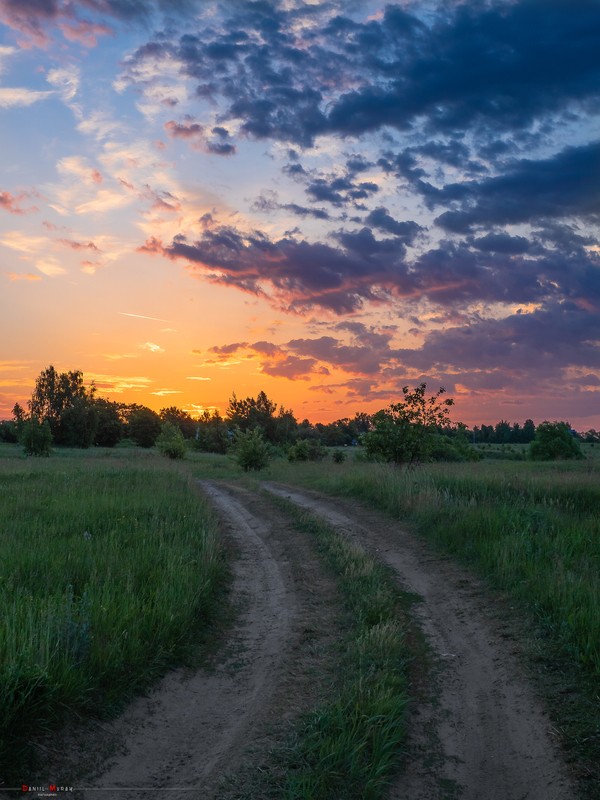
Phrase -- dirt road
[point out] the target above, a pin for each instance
(482, 734)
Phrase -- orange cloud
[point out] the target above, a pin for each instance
(22, 276)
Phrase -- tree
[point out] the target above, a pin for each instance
(143, 426)
(78, 424)
(250, 449)
(528, 434)
(110, 426)
(54, 393)
(63, 400)
(258, 412)
(186, 424)
(212, 433)
(553, 441)
(8, 431)
(404, 433)
(170, 441)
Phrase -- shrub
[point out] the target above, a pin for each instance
(339, 456)
(306, 450)
(36, 437)
(553, 441)
(250, 450)
(171, 441)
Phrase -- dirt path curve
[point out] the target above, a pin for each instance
(196, 730)
(493, 740)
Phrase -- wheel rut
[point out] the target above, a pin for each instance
(485, 735)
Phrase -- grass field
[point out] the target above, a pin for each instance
(101, 553)
(108, 568)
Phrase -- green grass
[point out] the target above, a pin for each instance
(108, 570)
(351, 745)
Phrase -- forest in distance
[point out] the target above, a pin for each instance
(69, 413)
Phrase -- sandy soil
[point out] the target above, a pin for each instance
(485, 736)
(479, 734)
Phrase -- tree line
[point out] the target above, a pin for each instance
(63, 411)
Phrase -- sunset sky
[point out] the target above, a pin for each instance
(324, 200)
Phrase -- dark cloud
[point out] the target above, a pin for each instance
(501, 243)
(269, 202)
(480, 64)
(305, 274)
(562, 186)
(360, 267)
(543, 341)
(380, 218)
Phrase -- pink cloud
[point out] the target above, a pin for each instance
(11, 203)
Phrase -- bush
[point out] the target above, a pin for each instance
(171, 441)
(339, 456)
(250, 450)
(36, 437)
(553, 441)
(306, 450)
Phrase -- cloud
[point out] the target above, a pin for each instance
(12, 203)
(299, 273)
(35, 19)
(562, 186)
(217, 141)
(18, 97)
(75, 245)
(366, 353)
(151, 347)
(22, 276)
(294, 73)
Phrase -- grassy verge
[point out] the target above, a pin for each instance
(108, 573)
(351, 745)
(534, 532)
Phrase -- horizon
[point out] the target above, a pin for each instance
(325, 201)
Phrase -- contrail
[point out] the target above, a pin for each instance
(142, 316)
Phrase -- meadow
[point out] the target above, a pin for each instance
(108, 571)
(110, 563)
(532, 531)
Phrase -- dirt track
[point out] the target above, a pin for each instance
(481, 736)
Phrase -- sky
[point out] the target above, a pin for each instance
(326, 201)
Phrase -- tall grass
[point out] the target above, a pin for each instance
(351, 744)
(108, 568)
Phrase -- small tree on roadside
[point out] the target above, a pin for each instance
(171, 441)
(553, 441)
(405, 432)
(250, 450)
